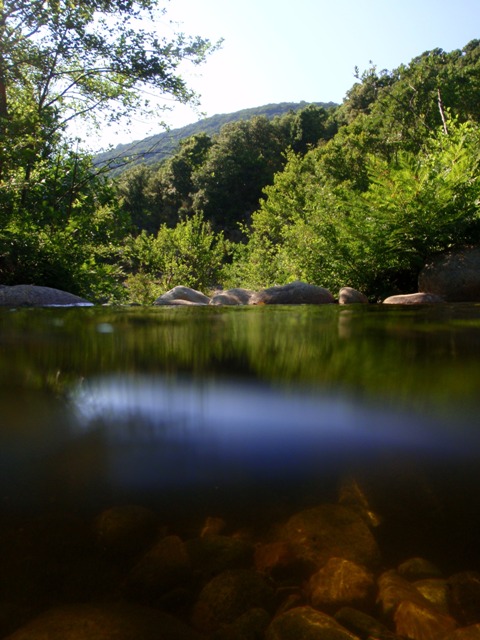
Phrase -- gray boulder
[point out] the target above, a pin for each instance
(29, 295)
(293, 293)
(182, 296)
(414, 298)
(454, 276)
(232, 297)
(347, 295)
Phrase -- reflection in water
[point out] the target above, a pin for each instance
(210, 407)
(162, 432)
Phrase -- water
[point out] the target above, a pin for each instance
(248, 414)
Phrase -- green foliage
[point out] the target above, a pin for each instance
(242, 160)
(61, 228)
(190, 254)
(408, 104)
(361, 195)
(60, 221)
(314, 228)
(133, 189)
(221, 177)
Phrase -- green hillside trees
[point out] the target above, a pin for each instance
(313, 227)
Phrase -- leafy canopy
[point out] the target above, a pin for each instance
(99, 60)
(91, 57)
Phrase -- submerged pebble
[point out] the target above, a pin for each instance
(315, 573)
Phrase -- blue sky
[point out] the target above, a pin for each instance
(278, 51)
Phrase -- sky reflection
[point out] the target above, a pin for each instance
(179, 431)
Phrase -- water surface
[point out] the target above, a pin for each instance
(242, 412)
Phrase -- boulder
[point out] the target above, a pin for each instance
(472, 632)
(29, 295)
(228, 596)
(100, 622)
(182, 296)
(454, 275)
(347, 295)
(279, 561)
(293, 293)
(213, 526)
(126, 530)
(363, 625)
(213, 554)
(464, 597)
(232, 297)
(340, 583)
(330, 531)
(418, 568)
(164, 567)
(393, 589)
(308, 624)
(355, 495)
(414, 615)
(420, 622)
(435, 590)
(249, 626)
(414, 298)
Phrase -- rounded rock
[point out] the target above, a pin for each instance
(454, 275)
(29, 295)
(308, 624)
(165, 566)
(329, 531)
(100, 622)
(126, 529)
(348, 295)
(339, 583)
(293, 293)
(237, 296)
(182, 296)
(229, 595)
(414, 298)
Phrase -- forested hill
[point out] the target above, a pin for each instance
(154, 149)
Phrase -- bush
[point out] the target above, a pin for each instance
(190, 254)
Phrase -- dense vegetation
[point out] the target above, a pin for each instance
(360, 194)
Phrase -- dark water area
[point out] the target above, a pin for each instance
(248, 414)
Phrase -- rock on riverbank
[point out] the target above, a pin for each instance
(28, 295)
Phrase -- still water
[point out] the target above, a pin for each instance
(246, 414)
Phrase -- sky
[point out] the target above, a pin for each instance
(279, 51)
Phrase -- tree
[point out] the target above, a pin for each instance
(61, 59)
(408, 104)
(171, 189)
(316, 228)
(133, 189)
(243, 159)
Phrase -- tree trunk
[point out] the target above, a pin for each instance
(442, 112)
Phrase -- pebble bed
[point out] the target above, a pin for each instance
(319, 572)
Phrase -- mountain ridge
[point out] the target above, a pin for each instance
(154, 149)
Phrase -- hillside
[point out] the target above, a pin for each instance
(154, 149)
